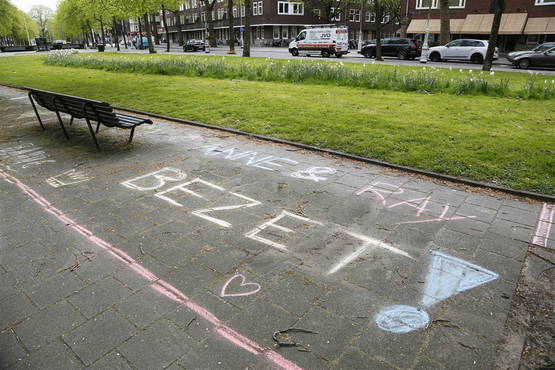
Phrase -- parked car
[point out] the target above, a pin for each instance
(538, 49)
(194, 45)
(545, 59)
(463, 49)
(58, 44)
(393, 47)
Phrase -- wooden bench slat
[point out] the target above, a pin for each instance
(91, 110)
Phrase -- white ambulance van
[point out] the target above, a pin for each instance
(322, 39)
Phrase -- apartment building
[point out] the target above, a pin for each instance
(274, 22)
(524, 23)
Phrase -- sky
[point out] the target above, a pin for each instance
(25, 5)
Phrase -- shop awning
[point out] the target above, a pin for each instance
(480, 24)
(512, 23)
(540, 26)
(477, 24)
(419, 26)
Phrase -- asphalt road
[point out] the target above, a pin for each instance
(501, 65)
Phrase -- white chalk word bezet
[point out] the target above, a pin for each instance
(202, 213)
(313, 172)
(447, 276)
(67, 178)
(368, 243)
(243, 289)
(155, 180)
(253, 234)
(383, 190)
(23, 156)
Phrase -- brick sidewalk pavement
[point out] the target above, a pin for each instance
(192, 248)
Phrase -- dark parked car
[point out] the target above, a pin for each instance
(545, 59)
(393, 47)
(538, 49)
(194, 45)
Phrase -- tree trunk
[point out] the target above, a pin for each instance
(379, 20)
(210, 22)
(179, 28)
(102, 32)
(499, 9)
(123, 32)
(149, 35)
(247, 31)
(231, 29)
(166, 28)
(114, 24)
(154, 28)
(445, 26)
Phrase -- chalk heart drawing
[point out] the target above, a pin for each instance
(447, 276)
(249, 288)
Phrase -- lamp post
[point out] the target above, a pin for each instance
(425, 46)
(360, 18)
(241, 29)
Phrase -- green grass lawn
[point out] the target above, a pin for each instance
(506, 141)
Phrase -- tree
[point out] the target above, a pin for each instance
(445, 26)
(247, 31)
(231, 24)
(208, 9)
(166, 28)
(387, 12)
(172, 6)
(71, 19)
(41, 14)
(16, 27)
(492, 44)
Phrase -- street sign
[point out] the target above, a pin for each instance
(241, 29)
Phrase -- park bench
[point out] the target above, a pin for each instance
(87, 109)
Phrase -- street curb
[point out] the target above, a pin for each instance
(460, 180)
(455, 179)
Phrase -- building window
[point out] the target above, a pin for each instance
(288, 8)
(317, 13)
(385, 18)
(354, 15)
(254, 8)
(545, 2)
(285, 32)
(234, 12)
(242, 10)
(337, 14)
(260, 7)
(453, 4)
(276, 32)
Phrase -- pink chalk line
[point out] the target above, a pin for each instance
(543, 229)
(158, 284)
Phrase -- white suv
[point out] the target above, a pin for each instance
(463, 49)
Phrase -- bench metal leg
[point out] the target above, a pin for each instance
(97, 127)
(92, 133)
(36, 111)
(62, 124)
(131, 135)
(71, 120)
